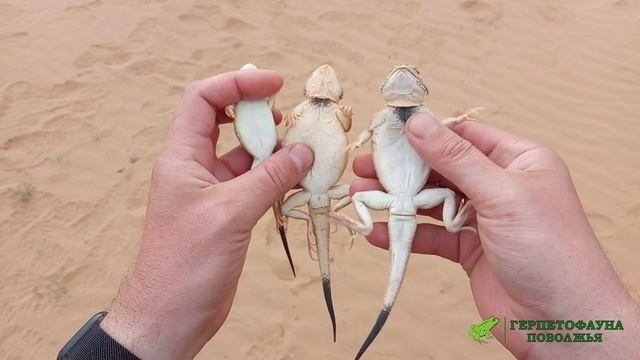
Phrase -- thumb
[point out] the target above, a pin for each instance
(453, 157)
(274, 177)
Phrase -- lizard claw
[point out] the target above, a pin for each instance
(346, 110)
(473, 111)
(351, 147)
(290, 119)
(230, 111)
(470, 229)
(349, 223)
(340, 219)
(352, 238)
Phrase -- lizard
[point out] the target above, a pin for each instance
(322, 124)
(255, 128)
(403, 175)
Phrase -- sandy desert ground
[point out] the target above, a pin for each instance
(88, 88)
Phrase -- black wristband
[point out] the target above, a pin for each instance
(92, 343)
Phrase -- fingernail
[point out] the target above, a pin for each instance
(302, 156)
(422, 125)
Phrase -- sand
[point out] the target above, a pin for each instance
(88, 88)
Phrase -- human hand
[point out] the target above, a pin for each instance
(535, 256)
(201, 210)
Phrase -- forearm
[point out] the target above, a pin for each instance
(141, 322)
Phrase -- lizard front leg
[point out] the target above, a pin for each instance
(290, 119)
(430, 198)
(453, 121)
(345, 116)
(366, 135)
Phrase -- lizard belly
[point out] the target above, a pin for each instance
(255, 127)
(400, 169)
(320, 129)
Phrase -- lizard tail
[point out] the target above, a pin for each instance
(401, 232)
(320, 220)
(277, 213)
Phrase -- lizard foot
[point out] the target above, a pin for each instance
(354, 227)
(290, 119)
(230, 111)
(347, 111)
(463, 214)
(351, 147)
(451, 122)
(352, 238)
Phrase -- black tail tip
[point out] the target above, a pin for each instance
(326, 288)
(285, 244)
(382, 318)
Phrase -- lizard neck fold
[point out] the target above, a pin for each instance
(404, 113)
(322, 101)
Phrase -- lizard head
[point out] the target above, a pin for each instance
(249, 67)
(404, 87)
(323, 84)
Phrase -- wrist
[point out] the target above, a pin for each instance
(150, 331)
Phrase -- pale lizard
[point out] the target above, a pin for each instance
(322, 124)
(403, 174)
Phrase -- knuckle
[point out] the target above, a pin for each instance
(193, 87)
(455, 148)
(551, 157)
(543, 158)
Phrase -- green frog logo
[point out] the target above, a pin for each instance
(482, 330)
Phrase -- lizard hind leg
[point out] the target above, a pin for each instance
(312, 242)
(363, 201)
(285, 209)
(281, 224)
(341, 193)
(430, 198)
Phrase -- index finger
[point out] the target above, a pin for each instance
(196, 118)
(196, 113)
(500, 146)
